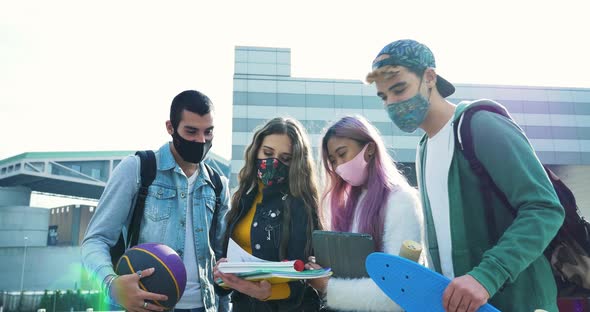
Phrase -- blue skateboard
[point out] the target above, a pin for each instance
(412, 286)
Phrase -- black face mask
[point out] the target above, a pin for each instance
(192, 152)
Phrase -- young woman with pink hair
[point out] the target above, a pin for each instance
(365, 193)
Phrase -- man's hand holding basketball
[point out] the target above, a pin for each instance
(126, 292)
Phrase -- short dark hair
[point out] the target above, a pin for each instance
(419, 71)
(191, 100)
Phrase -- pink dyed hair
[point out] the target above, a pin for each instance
(384, 178)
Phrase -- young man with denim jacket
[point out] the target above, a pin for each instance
(178, 212)
(512, 272)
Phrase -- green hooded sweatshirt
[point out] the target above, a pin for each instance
(514, 270)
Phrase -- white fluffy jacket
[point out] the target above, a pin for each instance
(403, 220)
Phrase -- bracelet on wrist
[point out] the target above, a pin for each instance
(105, 282)
(108, 282)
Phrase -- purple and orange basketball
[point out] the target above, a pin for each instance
(169, 277)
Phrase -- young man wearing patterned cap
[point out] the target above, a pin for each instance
(511, 272)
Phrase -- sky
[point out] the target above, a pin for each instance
(100, 75)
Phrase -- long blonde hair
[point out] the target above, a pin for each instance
(302, 179)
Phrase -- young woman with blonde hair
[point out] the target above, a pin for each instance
(272, 215)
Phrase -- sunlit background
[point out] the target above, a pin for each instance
(100, 76)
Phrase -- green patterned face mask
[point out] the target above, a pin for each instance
(409, 114)
(272, 171)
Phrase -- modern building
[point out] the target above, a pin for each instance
(39, 247)
(556, 120)
(80, 174)
(68, 224)
(20, 224)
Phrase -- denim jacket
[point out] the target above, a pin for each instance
(163, 220)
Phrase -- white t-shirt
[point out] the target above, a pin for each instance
(439, 154)
(191, 297)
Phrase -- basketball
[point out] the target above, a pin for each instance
(169, 277)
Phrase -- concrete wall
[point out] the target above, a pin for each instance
(45, 268)
(577, 178)
(18, 222)
(15, 196)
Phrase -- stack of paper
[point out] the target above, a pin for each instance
(275, 277)
(251, 268)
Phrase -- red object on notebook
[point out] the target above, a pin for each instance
(298, 265)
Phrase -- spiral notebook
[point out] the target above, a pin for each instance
(343, 252)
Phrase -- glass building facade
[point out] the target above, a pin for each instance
(556, 120)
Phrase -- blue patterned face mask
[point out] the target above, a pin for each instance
(409, 114)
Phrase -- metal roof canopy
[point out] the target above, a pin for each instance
(65, 173)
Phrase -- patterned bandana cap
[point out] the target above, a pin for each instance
(408, 53)
(414, 55)
(271, 171)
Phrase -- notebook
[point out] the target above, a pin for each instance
(248, 267)
(343, 252)
(275, 277)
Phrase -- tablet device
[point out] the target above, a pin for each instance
(343, 252)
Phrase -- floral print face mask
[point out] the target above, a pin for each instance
(272, 171)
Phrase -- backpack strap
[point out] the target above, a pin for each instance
(463, 134)
(148, 174)
(217, 188)
(464, 138)
(147, 169)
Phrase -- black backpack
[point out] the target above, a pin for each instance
(148, 174)
(569, 251)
